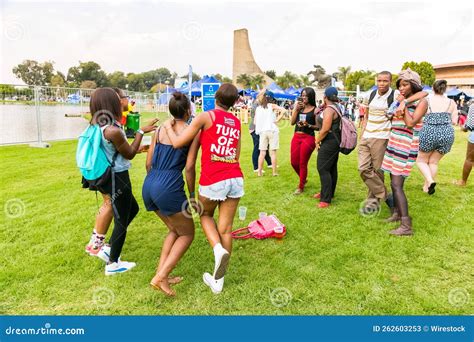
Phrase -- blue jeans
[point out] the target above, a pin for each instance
(256, 151)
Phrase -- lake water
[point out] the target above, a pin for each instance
(18, 123)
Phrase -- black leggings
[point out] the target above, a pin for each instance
(328, 155)
(256, 151)
(125, 209)
(400, 199)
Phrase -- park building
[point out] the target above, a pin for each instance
(458, 75)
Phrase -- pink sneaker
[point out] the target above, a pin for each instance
(94, 248)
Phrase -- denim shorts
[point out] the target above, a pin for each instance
(220, 191)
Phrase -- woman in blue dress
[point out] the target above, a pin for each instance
(163, 192)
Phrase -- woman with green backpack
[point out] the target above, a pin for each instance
(115, 182)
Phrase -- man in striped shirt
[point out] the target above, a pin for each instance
(374, 139)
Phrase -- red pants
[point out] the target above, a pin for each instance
(302, 145)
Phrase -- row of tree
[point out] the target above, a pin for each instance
(366, 78)
(90, 75)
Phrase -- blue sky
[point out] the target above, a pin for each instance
(140, 36)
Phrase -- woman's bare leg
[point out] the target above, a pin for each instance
(261, 158)
(422, 163)
(433, 163)
(104, 216)
(273, 156)
(177, 242)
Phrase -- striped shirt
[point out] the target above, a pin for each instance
(378, 124)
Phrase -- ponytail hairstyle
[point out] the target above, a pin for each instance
(179, 105)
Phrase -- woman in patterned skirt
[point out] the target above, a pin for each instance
(402, 148)
(437, 134)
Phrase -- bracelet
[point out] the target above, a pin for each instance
(192, 194)
(140, 131)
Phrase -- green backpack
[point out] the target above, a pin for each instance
(91, 159)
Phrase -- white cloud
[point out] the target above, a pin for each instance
(136, 37)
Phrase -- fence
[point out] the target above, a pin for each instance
(34, 114)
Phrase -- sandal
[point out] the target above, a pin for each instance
(158, 287)
(431, 188)
(175, 280)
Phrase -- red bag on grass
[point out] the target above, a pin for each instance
(263, 228)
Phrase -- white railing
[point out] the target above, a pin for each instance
(34, 114)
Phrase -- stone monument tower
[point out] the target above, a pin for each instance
(244, 62)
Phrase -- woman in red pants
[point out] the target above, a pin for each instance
(302, 144)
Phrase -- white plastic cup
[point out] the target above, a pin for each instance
(242, 213)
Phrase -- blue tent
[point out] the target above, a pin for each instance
(279, 93)
(74, 98)
(293, 91)
(455, 94)
(196, 86)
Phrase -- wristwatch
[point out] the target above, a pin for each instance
(140, 131)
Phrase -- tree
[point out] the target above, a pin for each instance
(424, 69)
(58, 80)
(305, 81)
(243, 80)
(117, 79)
(152, 77)
(33, 73)
(196, 77)
(136, 82)
(288, 79)
(342, 73)
(87, 71)
(223, 79)
(88, 85)
(364, 78)
(257, 81)
(271, 73)
(393, 85)
(6, 90)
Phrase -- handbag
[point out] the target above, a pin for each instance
(263, 228)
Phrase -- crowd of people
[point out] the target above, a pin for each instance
(400, 127)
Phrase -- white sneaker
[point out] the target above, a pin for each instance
(221, 258)
(119, 267)
(215, 285)
(104, 253)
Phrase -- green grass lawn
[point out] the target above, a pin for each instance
(332, 261)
